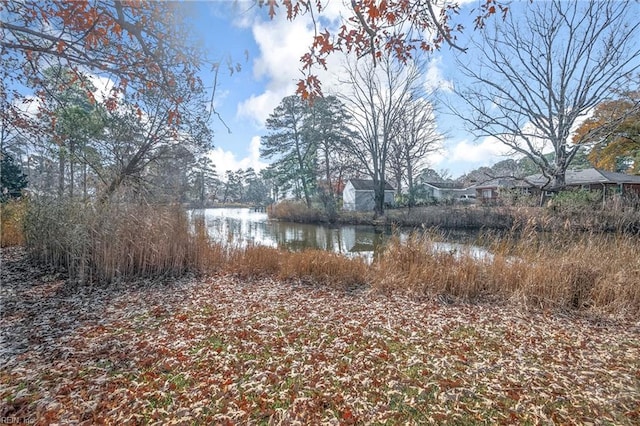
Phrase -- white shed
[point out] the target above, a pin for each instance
(358, 195)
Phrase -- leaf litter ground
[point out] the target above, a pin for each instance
(221, 350)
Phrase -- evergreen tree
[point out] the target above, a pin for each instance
(288, 143)
(13, 180)
(327, 127)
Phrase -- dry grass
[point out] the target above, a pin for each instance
(11, 219)
(560, 271)
(596, 272)
(293, 211)
(325, 268)
(254, 261)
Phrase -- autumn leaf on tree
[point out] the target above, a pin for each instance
(613, 131)
(134, 43)
(397, 27)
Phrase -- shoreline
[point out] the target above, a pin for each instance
(498, 218)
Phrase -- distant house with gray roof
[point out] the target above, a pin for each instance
(447, 190)
(488, 192)
(359, 195)
(588, 179)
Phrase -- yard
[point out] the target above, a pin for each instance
(221, 350)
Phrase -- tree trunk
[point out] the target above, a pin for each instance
(398, 184)
(559, 180)
(115, 183)
(307, 198)
(202, 190)
(378, 197)
(412, 198)
(327, 170)
(61, 172)
(84, 181)
(71, 169)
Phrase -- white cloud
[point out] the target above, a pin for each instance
(486, 152)
(103, 86)
(258, 107)
(226, 160)
(433, 78)
(460, 157)
(28, 105)
(281, 43)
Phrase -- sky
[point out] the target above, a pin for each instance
(268, 53)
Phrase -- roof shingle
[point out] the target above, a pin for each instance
(367, 185)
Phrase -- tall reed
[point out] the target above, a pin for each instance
(107, 242)
(11, 222)
(560, 270)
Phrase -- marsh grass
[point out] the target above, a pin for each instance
(562, 270)
(107, 242)
(325, 268)
(294, 211)
(11, 221)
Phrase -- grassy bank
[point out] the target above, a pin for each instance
(563, 216)
(591, 272)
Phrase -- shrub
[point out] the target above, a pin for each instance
(577, 200)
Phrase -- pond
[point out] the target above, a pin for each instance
(240, 227)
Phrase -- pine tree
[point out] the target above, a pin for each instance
(13, 180)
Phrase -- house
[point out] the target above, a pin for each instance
(442, 191)
(590, 179)
(358, 195)
(488, 192)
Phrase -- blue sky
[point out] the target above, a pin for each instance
(268, 52)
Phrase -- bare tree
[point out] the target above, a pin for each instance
(136, 139)
(543, 69)
(417, 136)
(376, 98)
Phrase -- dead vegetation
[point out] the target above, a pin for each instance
(564, 270)
(172, 328)
(226, 350)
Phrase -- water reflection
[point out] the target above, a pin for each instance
(241, 226)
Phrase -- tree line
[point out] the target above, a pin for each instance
(381, 127)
